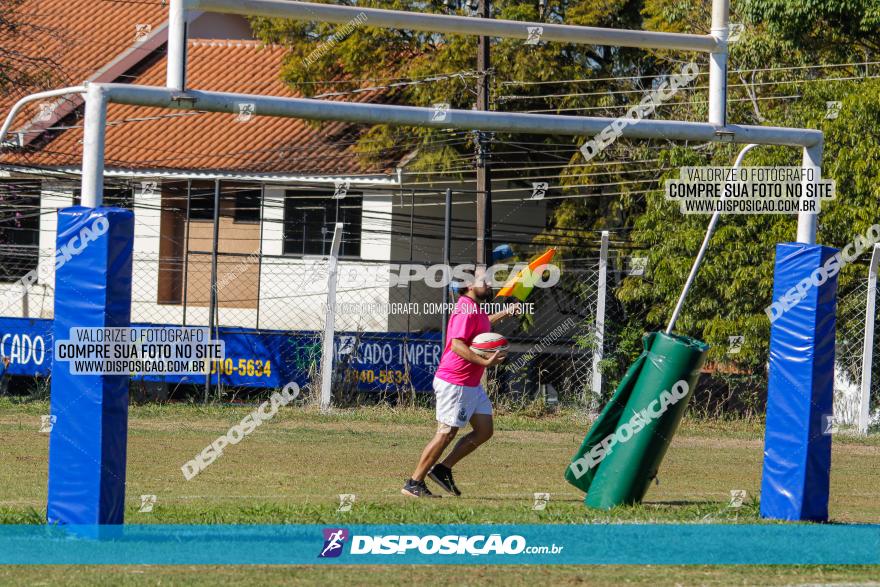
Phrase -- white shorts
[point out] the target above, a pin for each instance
(457, 403)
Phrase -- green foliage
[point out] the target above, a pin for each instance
(774, 80)
(735, 281)
(322, 60)
(840, 28)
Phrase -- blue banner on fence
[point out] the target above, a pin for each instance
(370, 362)
(28, 344)
(672, 544)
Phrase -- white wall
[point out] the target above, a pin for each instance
(293, 290)
(145, 265)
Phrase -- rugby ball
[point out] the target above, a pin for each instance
(486, 344)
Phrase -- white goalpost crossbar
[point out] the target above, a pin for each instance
(176, 95)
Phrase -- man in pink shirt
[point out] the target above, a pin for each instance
(460, 396)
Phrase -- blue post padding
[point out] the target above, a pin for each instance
(797, 445)
(88, 437)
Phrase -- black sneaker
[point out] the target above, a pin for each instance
(416, 489)
(442, 476)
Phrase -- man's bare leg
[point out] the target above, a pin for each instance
(482, 431)
(434, 449)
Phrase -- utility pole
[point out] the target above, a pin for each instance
(484, 175)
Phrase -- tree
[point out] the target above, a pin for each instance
(837, 29)
(776, 71)
(327, 58)
(774, 79)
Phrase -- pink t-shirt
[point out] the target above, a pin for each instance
(467, 321)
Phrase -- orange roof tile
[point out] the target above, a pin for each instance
(80, 36)
(152, 138)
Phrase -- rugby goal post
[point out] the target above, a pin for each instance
(177, 96)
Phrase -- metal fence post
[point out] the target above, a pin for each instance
(212, 305)
(447, 260)
(868, 349)
(330, 320)
(260, 254)
(599, 347)
(186, 244)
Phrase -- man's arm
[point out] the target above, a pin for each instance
(460, 348)
(511, 310)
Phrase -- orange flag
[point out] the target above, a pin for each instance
(521, 285)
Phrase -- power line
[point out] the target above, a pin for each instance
(667, 105)
(663, 75)
(695, 88)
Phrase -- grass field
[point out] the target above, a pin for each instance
(292, 469)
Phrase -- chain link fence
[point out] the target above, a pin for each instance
(854, 324)
(554, 349)
(270, 305)
(849, 352)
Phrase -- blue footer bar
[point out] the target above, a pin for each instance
(654, 544)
